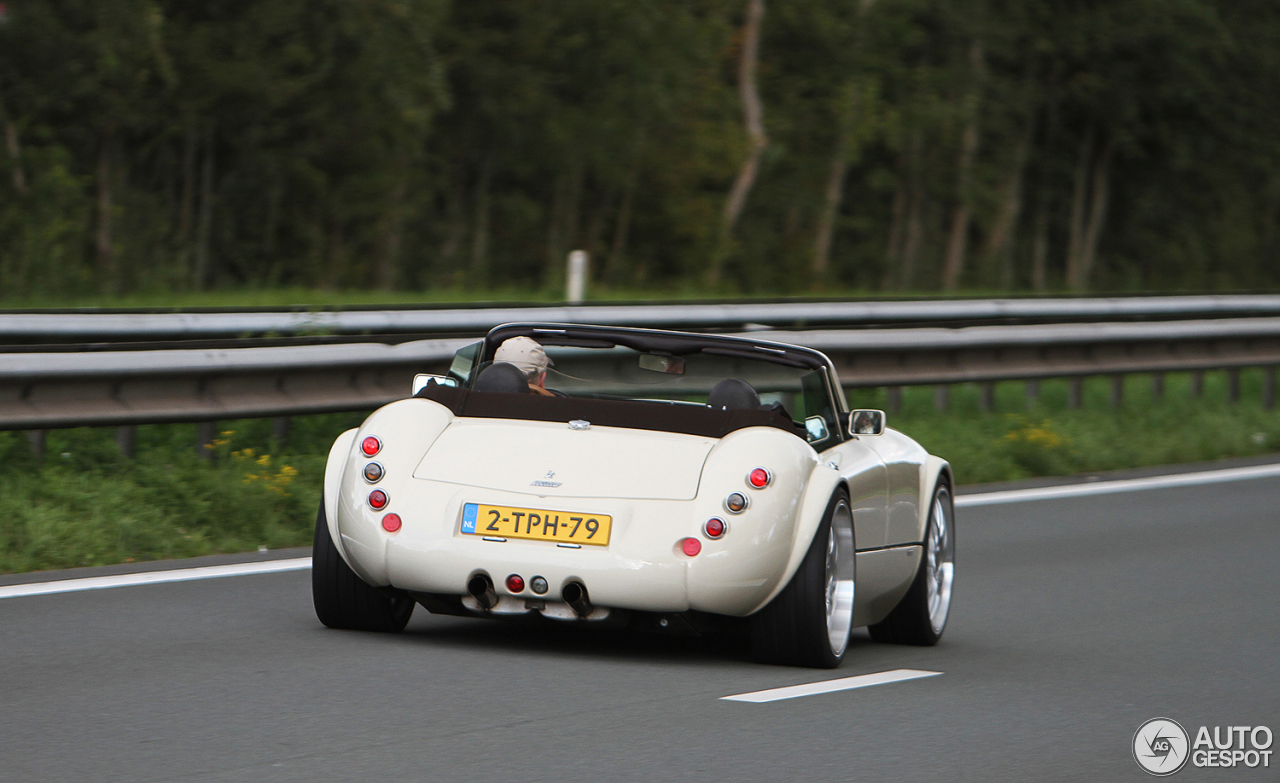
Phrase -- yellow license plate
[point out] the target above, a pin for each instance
(570, 527)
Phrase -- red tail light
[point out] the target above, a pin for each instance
(378, 499)
(759, 478)
(515, 583)
(370, 446)
(391, 523)
(691, 547)
(714, 528)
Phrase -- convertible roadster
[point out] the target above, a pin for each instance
(669, 480)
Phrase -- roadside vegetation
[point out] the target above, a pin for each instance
(84, 504)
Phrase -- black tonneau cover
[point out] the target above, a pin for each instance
(635, 414)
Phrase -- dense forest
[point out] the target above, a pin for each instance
(744, 146)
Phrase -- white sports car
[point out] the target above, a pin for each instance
(668, 480)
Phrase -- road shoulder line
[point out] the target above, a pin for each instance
(154, 577)
(1120, 485)
(830, 686)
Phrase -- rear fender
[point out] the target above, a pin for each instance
(823, 482)
(933, 470)
(334, 469)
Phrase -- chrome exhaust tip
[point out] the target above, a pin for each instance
(480, 587)
(575, 595)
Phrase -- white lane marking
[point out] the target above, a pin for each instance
(1119, 485)
(830, 686)
(154, 577)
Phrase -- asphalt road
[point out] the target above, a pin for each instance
(1074, 621)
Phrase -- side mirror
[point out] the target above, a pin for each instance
(866, 422)
(816, 428)
(421, 380)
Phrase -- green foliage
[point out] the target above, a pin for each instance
(1050, 439)
(87, 505)
(155, 146)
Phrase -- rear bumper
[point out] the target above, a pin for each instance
(642, 568)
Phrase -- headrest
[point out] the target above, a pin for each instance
(502, 377)
(733, 394)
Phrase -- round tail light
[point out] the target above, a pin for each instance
(691, 547)
(714, 528)
(373, 473)
(515, 583)
(736, 502)
(378, 499)
(539, 585)
(759, 478)
(370, 446)
(391, 523)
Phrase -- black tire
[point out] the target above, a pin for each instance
(793, 629)
(914, 620)
(344, 600)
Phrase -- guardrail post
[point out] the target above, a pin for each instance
(1033, 393)
(1117, 391)
(1268, 387)
(1197, 383)
(1157, 385)
(1233, 385)
(205, 431)
(576, 284)
(36, 440)
(127, 440)
(988, 399)
(941, 394)
(280, 430)
(1075, 393)
(894, 398)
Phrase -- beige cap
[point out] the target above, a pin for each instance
(525, 353)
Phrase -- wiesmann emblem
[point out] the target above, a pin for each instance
(546, 481)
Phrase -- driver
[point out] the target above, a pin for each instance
(529, 357)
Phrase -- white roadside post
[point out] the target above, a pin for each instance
(576, 283)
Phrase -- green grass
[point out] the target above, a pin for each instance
(1047, 439)
(87, 505)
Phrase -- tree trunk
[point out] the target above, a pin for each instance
(455, 207)
(753, 119)
(1040, 243)
(555, 226)
(205, 226)
(15, 155)
(958, 241)
(834, 193)
(480, 242)
(621, 228)
(1075, 235)
(1097, 214)
(190, 148)
(830, 209)
(999, 247)
(914, 236)
(335, 245)
(897, 227)
(104, 250)
(391, 232)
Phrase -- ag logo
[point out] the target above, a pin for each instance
(1160, 746)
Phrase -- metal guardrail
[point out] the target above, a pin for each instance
(81, 326)
(51, 390)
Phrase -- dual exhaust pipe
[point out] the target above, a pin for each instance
(480, 587)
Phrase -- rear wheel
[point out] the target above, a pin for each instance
(344, 600)
(921, 616)
(808, 623)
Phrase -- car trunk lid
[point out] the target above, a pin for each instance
(550, 459)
